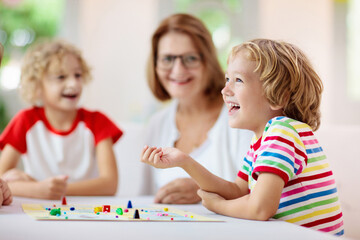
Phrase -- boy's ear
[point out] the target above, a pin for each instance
(276, 107)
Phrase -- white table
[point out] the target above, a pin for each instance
(15, 224)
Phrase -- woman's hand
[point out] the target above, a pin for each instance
(210, 200)
(163, 157)
(178, 191)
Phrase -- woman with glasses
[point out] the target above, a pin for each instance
(183, 70)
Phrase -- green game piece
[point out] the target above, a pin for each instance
(119, 211)
(55, 211)
(66, 217)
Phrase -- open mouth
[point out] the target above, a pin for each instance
(233, 107)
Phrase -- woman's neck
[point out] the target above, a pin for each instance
(198, 106)
(60, 120)
(194, 120)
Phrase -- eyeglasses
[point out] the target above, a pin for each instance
(191, 60)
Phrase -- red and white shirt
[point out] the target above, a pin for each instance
(47, 152)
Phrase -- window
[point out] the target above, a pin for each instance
(221, 17)
(22, 22)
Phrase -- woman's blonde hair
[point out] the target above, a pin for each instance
(288, 78)
(37, 61)
(201, 37)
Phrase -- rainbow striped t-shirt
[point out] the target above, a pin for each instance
(290, 149)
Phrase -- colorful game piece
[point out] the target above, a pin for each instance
(136, 214)
(119, 211)
(89, 212)
(166, 209)
(106, 208)
(64, 201)
(98, 209)
(129, 204)
(55, 212)
(72, 209)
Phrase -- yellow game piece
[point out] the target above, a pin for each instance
(97, 209)
(166, 209)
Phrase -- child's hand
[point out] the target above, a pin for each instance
(163, 157)
(16, 175)
(5, 193)
(210, 200)
(53, 188)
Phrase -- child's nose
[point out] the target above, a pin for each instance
(73, 82)
(226, 90)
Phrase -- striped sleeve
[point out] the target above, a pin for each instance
(282, 152)
(245, 169)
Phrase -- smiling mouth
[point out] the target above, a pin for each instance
(180, 82)
(234, 107)
(70, 96)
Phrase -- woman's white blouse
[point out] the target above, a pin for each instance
(221, 153)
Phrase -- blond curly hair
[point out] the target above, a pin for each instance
(288, 78)
(37, 61)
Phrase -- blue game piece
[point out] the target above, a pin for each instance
(72, 209)
(129, 204)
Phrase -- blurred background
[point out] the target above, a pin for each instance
(114, 36)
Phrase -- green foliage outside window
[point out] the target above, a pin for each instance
(22, 22)
(220, 17)
(38, 18)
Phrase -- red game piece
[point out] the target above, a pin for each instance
(64, 201)
(106, 208)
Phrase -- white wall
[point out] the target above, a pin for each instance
(115, 38)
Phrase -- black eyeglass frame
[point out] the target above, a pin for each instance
(173, 58)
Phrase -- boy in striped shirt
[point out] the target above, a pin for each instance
(271, 89)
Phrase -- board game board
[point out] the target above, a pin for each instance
(82, 212)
